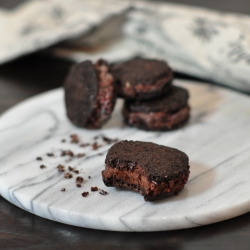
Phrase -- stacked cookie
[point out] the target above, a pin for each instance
(151, 101)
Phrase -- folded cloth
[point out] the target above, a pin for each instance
(199, 42)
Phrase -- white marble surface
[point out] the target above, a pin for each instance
(217, 140)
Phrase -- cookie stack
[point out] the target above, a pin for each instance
(151, 101)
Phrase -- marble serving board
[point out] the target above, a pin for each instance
(216, 139)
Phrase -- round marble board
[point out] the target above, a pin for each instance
(216, 139)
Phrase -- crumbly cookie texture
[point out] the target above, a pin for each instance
(167, 112)
(89, 94)
(142, 79)
(155, 171)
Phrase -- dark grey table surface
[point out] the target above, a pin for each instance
(34, 74)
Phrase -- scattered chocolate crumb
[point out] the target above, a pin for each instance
(84, 145)
(95, 146)
(42, 166)
(79, 180)
(65, 152)
(109, 140)
(70, 153)
(63, 140)
(102, 192)
(100, 154)
(94, 189)
(63, 189)
(96, 137)
(80, 155)
(73, 170)
(89, 177)
(68, 175)
(39, 158)
(85, 194)
(50, 154)
(60, 168)
(78, 185)
(74, 138)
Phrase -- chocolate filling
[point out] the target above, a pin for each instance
(157, 120)
(134, 91)
(135, 178)
(105, 99)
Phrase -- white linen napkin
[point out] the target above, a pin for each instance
(199, 42)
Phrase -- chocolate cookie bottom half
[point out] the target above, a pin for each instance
(164, 113)
(152, 170)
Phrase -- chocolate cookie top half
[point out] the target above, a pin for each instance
(142, 78)
(89, 94)
(175, 99)
(160, 163)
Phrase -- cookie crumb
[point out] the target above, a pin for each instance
(80, 155)
(70, 153)
(79, 180)
(60, 168)
(74, 138)
(102, 192)
(95, 146)
(73, 170)
(94, 189)
(68, 175)
(85, 194)
(89, 177)
(42, 166)
(78, 185)
(109, 140)
(64, 153)
(39, 158)
(63, 189)
(63, 140)
(50, 154)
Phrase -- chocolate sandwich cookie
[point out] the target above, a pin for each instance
(153, 170)
(142, 78)
(164, 113)
(89, 94)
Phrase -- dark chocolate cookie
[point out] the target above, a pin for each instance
(153, 170)
(163, 113)
(142, 78)
(89, 94)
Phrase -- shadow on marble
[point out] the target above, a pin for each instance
(203, 101)
(200, 180)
